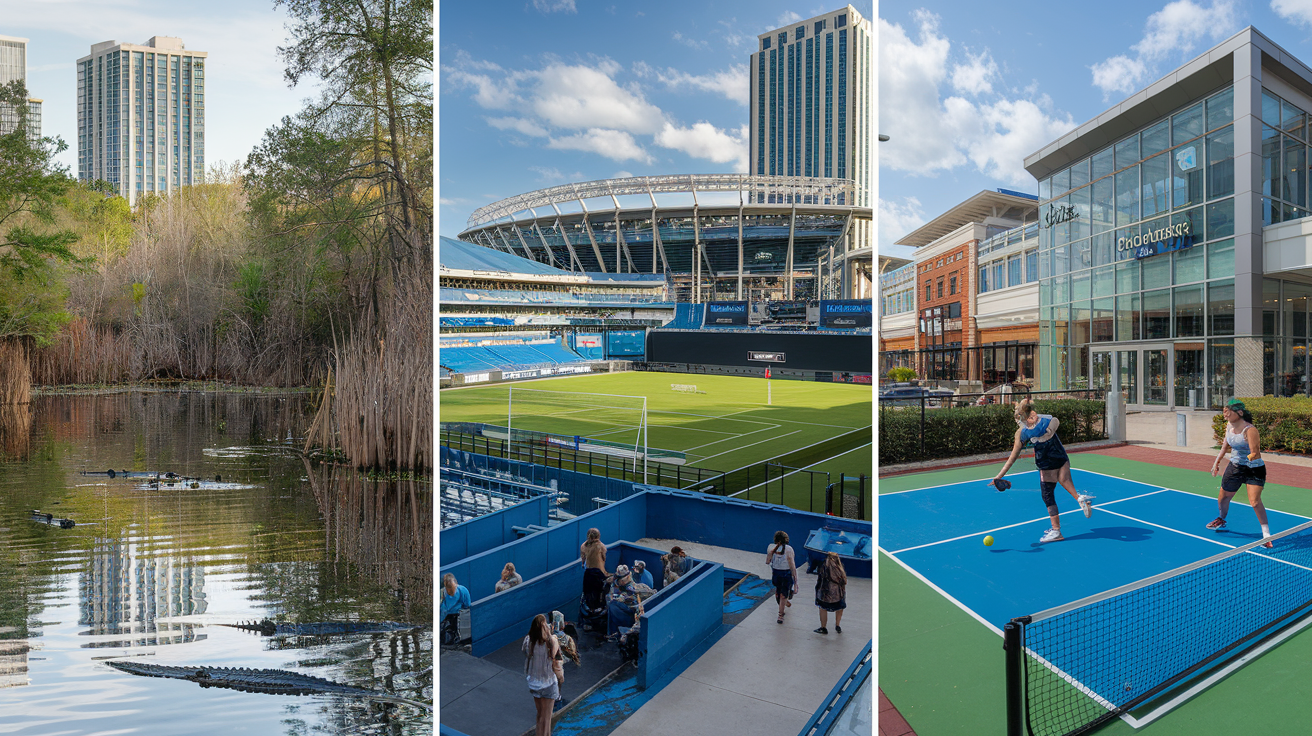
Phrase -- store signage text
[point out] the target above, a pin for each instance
(1161, 240)
(1059, 213)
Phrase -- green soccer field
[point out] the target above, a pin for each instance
(726, 427)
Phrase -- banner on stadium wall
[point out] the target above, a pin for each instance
(791, 311)
(590, 346)
(587, 341)
(846, 312)
(626, 343)
(763, 357)
(726, 313)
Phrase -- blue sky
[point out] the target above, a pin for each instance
(244, 88)
(968, 89)
(537, 93)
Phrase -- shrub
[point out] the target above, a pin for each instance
(978, 430)
(1283, 424)
(901, 374)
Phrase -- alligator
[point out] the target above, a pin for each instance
(273, 628)
(42, 517)
(272, 682)
(153, 475)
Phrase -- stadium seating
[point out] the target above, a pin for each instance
(687, 317)
(512, 354)
(454, 295)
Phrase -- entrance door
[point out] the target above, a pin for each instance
(1190, 379)
(1128, 367)
(1158, 377)
(1100, 373)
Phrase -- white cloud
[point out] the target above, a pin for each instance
(1171, 34)
(622, 174)
(703, 140)
(490, 94)
(553, 6)
(931, 133)
(897, 219)
(527, 127)
(732, 83)
(975, 77)
(553, 175)
(613, 144)
(1119, 74)
(1294, 11)
(691, 43)
(581, 97)
(789, 17)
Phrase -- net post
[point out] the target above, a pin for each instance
(1014, 651)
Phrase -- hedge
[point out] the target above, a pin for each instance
(1283, 424)
(978, 430)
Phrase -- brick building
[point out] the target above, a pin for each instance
(975, 316)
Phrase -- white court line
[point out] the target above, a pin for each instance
(943, 593)
(1171, 529)
(1030, 521)
(945, 485)
(743, 447)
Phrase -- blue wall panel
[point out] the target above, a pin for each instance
(683, 615)
(502, 618)
(493, 530)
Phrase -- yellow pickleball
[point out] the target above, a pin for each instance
(988, 541)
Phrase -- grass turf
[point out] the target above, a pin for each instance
(729, 426)
(944, 670)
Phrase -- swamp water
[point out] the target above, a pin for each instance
(152, 571)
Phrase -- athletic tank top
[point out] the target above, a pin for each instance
(1031, 434)
(780, 560)
(1239, 448)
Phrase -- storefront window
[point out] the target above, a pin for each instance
(1103, 207)
(1189, 265)
(1157, 271)
(1127, 317)
(1188, 124)
(1157, 314)
(1189, 311)
(1220, 307)
(1221, 219)
(1270, 307)
(1156, 186)
(1127, 152)
(1127, 277)
(1127, 196)
(1103, 320)
(1221, 109)
(1221, 163)
(1222, 371)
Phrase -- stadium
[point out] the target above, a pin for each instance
(715, 236)
(700, 384)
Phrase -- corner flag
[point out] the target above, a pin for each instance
(767, 371)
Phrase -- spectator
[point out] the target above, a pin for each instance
(455, 597)
(509, 578)
(641, 576)
(593, 552)
(783, 571)
(543, 672)
(831, 592)
(675, 563)
(623, 605)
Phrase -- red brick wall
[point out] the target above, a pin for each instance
(958, 262)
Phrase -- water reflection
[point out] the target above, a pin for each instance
(152, 570)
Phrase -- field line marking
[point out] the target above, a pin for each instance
(798, 470)
(744, 447)
(1023, 523)
(734, 437)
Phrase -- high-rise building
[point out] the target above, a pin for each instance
(811, 93)
(13, 66)
(141, 116)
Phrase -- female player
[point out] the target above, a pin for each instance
(1050, 457)
(1246, 467)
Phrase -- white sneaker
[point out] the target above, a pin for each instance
(1084, 504)
(1052, 535)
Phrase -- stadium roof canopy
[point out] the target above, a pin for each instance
(458, 258)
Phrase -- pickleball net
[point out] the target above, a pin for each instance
(1073, 668)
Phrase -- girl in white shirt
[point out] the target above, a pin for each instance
(783, 566)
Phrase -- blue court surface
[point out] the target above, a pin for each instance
(1136, 531)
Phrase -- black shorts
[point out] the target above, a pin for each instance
(1236, 476)
(1050, 455)
(783, 583)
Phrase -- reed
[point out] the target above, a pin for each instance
(15, 376)
(15, 432)
(383, 400)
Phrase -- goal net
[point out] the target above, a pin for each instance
(607, 424)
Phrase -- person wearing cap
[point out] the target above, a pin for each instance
(623, 606)
(641, 576)
(1246, 467)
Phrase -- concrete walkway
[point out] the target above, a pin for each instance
(1156, 430)
(761, 678)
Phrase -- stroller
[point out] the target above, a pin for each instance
(592, 606)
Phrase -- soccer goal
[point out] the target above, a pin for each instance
(606, 424)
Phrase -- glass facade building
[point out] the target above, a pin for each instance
(810, 106)
(1171, 246)
(141, 116)
(13, 67)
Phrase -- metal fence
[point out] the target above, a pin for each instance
(933, 429)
